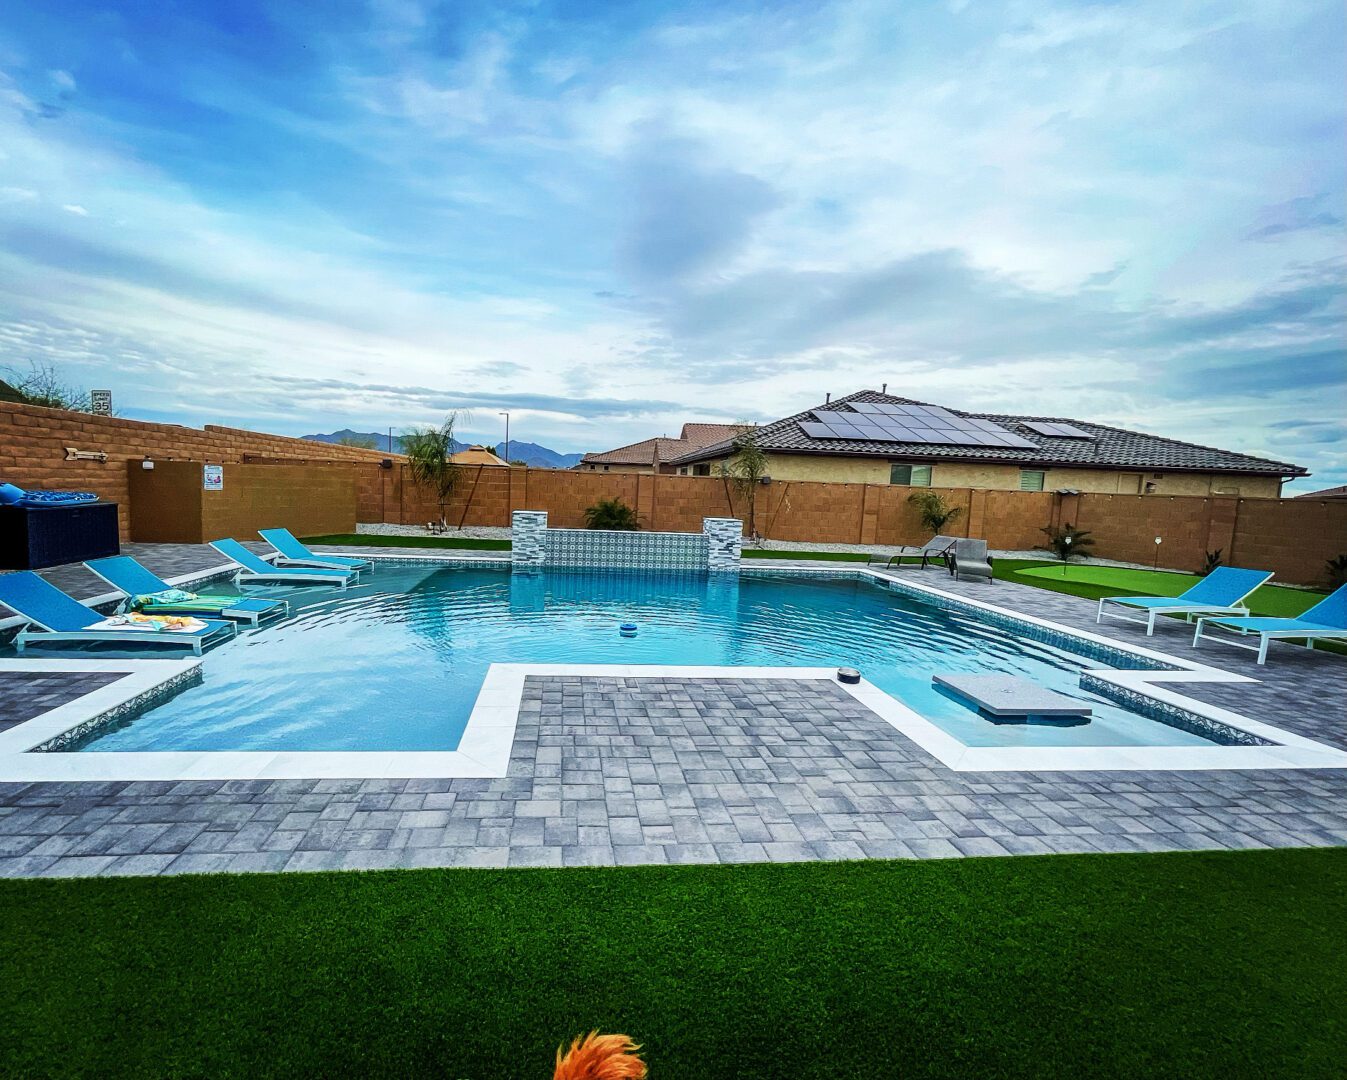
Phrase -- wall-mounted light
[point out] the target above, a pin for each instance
(148, 463)
(386, 463)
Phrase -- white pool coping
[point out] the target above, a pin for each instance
(485, 746)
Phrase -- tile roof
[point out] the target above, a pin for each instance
(1327, 493)
(693, 437)
(640, 453)
(1108, 448)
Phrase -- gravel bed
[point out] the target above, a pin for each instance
(468, 532)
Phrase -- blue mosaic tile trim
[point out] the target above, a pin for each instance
(625, 550)
(1171, 715)
(84, 733)
(450, 562)
(1059, 639)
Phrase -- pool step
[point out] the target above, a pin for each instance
(1009, 695)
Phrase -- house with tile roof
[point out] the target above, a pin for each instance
(877, 438)
(649, 454)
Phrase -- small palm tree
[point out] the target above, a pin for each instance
(428, 451)
(935, 512)
(611, 514)
(745, 470)
(1067, 541)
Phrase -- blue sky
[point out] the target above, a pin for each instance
(610, 219)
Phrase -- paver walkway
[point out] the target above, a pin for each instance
(608, 770)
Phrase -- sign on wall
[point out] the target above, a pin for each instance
(100, 402)
(212, 477)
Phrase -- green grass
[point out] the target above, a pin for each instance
(1193, 965)
(370, 540)
(807, 556)
(1094, 582)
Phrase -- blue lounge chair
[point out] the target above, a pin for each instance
(60, 618)
(1326, 621)
(294, 553)
(152, 595)
(1222, 592)
(255, 568)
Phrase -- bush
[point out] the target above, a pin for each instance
(1067, 541)
(611, 514)
(935, 512)
(1337, 571)
(1213, 560)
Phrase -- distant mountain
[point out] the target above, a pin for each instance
(539, 457)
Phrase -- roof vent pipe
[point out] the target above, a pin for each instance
(884, 389)
(827, 398)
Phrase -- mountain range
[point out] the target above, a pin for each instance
(538, 457)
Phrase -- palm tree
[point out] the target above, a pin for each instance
(745, 470)
(611, 514)
(428, 450)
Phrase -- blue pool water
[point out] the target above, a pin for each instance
(396, 663)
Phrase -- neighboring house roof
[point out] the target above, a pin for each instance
(706, 434)
(1107, 447)
(10, 393)
(477, 455)
(643, 453)
(1326, 493)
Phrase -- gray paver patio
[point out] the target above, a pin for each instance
(621, 771)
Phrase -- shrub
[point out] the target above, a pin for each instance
(1337, 571)
(1066, 541)
(611, 514)
(1212, 561)
(935, 512)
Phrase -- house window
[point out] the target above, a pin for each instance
(605, 468)
(1031, 479)
(683, 471)
(910, 475)
(704, 469)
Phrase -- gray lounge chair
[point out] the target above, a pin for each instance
(968, 559)
(929, 552)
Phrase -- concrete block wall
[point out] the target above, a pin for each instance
(33, 442)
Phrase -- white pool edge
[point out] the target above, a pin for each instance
(485, 746)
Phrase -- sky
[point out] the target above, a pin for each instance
(612, 218)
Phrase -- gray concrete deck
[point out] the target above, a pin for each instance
(619, 771)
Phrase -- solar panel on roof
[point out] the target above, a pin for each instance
(1060, 431)
(882, 421)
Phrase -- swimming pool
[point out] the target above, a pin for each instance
(396, 663)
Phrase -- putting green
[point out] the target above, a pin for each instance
(1271, 600)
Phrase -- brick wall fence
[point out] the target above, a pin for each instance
(1293, 537)
(33, 442)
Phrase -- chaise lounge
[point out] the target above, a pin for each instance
(60, 618)
(147, 592)
(1325, 621)
(968, 558)
(930, 551)
(253, 568)
(293, 552)
(1222, 592)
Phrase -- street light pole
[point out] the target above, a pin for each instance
(507, 436)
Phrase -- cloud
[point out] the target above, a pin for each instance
(1307, 212)
(76, 209)
(686, 218)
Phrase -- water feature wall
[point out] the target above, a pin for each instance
(715, 549)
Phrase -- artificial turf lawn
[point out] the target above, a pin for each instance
(806, 556)
(1094, 582)
(1275, 600)
(1212, 964)
(371, 540)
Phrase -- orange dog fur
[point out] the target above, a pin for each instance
(600, 1057)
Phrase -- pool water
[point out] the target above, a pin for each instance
(396, 662)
